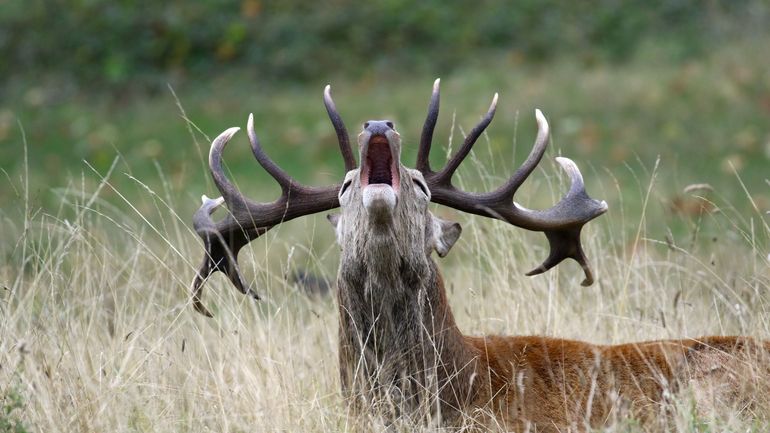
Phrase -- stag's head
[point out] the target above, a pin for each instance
(384, 205)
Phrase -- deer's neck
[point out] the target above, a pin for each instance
(397, 330)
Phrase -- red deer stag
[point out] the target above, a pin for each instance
(401, 354)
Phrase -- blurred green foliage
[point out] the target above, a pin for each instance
(137, 42)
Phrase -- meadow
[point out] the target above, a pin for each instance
(96, 325)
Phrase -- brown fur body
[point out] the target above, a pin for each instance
(553, 384)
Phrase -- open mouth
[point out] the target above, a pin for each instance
(379, 167)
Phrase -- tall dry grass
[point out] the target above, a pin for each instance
(97, 332)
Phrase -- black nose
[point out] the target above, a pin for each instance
(378, 126)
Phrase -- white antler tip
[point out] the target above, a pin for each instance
(436, 84)
(327, 89)
(205, 200)
(250, 129)
(228, 134)
(567, 163)
(219, 144)
(571, 168)
(542, 123)
(493, 105)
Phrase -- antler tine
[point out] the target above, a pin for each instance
(203, 223)
(565, 245)
(426, 138)
(339, 128)
(229, 192)
(280, 176)
(509, 188)
(445, 175)
(577, 187)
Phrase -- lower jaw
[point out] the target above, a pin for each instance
(380, 216)
(379, 195)
(380, 224)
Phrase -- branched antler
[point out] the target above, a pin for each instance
(561, 224)
(247, 219)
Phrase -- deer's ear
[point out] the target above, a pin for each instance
(333, 218)
(336, 220)
(445, 234)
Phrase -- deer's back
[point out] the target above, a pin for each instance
(557, 382)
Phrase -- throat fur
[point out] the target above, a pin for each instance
(398, 340)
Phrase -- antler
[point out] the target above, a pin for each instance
(247, 219)
(561, 224)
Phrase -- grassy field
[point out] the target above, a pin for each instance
(98, 333)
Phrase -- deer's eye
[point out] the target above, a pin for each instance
(421, 186)
(345, 187)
